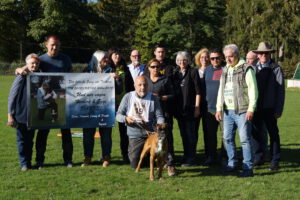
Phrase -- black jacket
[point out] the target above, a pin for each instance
(162, 87)
(271, 90)
(186, 89)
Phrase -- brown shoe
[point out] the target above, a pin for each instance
(87, 161)
(171, 171)
(106, 161)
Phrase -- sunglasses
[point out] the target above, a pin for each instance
(215, 58)
(266, 53)
(154, 66)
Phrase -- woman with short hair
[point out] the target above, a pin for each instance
(17, 112)
(187, 101)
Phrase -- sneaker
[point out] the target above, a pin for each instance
(274, 167)
(38, 166)
(247, 173)
(87, 161)
(106, 161)
(69, 165)
(171, 171)
(24, 169)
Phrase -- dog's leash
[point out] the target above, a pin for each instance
(143, 126)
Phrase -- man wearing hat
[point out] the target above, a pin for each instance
(270, 83)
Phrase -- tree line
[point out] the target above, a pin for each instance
(85, 26)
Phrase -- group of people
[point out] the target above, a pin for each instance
(223, 90)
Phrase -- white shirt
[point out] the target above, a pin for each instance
(136, 71)
(139, 107)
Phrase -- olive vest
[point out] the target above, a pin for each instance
(240, 88)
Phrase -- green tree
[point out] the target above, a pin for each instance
(14, 19)
(276, 21)
(179, 25)
(71, 20)
(120, 17)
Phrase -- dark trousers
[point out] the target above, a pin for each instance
(171, 156)
(135, 148)
(123, 140)
(210, 130)
(89, 140)
(41, 143)
(266, 116)
(25, 144)
(189, 139)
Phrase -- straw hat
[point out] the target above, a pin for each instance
(264, 47)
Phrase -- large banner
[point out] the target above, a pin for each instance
(70, 100)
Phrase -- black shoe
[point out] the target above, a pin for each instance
(229, 169)
(208, 162)
(126, 159)
(274, 167)
(247, 173)
(258, 162)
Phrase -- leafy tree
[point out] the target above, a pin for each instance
(71, 20)
(179, 25)
(14, 19)
(120, 17)
(276, 21)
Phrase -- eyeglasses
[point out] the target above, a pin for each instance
(154, 66)
(215, 58)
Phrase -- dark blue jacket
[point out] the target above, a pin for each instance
(271, 90)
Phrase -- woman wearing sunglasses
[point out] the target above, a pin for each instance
(161, 86)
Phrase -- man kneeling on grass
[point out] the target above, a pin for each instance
(136, 108)
(17, 113)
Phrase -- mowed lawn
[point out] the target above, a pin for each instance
(119, 181)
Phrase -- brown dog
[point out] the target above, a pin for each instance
(157, 145)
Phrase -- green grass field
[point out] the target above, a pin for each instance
(119, 181)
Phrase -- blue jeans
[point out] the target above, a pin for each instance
(25, 144)
(88, 141)
(233, 121)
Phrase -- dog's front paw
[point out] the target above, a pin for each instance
(151, 179)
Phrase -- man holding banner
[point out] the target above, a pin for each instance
(53, 61)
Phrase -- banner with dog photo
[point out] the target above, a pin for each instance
(70, 100)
